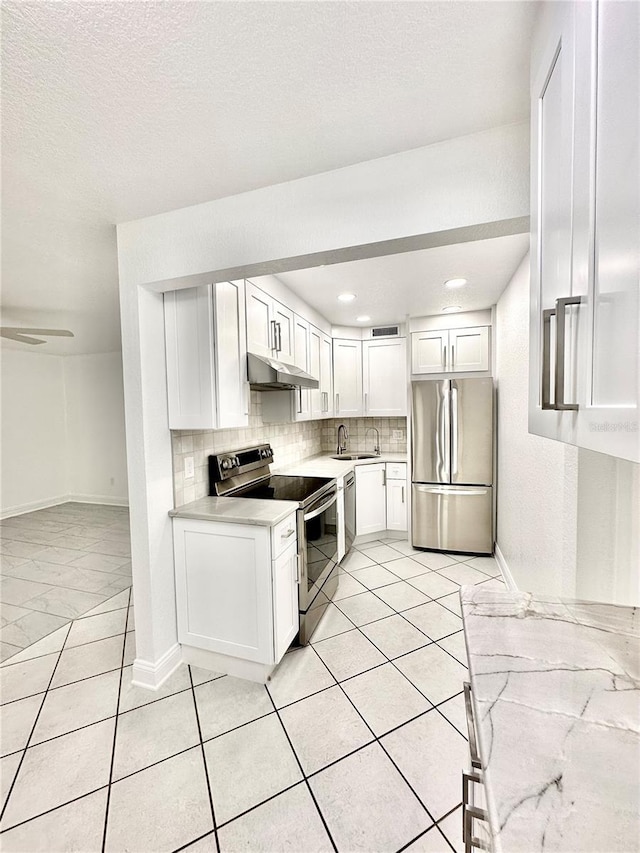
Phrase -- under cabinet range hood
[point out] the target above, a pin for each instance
(268, 374)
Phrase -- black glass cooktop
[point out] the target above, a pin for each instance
(281, 488)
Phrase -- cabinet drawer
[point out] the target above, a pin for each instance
(396, 470)
(283, 535)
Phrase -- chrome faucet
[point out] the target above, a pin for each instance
(342, 445)
(376, 447)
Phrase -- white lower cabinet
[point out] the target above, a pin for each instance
(371, 498)
(236, 588)
(397, 497)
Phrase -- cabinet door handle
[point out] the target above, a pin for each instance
(274, 339)
(366, 403)
(444, 357)
(384, 477)
(471, 727)
(453, 357)
(561, 310)
(546, 358)
(299, 401)
(288, 534)
(279, 337)
(402, 494)
(297, 576)
(337, 404)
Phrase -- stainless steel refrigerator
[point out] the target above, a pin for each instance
(452, 465)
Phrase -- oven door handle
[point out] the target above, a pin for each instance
(314, 512)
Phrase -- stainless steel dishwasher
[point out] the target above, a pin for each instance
(349, 511)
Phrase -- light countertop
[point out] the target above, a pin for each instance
(556, 698)
(325, 466)
(234, 511)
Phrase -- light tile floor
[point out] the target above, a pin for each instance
(55, 565)
(357, 743)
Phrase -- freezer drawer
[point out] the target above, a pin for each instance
(452, 518)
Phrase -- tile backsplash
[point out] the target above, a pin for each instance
(291, 442)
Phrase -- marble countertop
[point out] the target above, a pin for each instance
(325, 466)
(234, 511)
(556, 698)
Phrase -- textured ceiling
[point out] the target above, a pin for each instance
(113, 111)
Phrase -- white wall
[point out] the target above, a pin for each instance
(33, 471)
(62, 430)
(96, 455)
(537, 477)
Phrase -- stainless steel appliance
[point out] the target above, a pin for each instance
(452, 465)
(349, 511)
(246, 474)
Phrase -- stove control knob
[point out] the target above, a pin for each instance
(236, 462)
(226, 463)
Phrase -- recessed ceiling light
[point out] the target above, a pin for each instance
(364, 318)
(455, 282)
(347, 297)
(451, 309)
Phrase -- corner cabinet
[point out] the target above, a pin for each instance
(585, 261)
(206, 353)
(384, 377)
(237, 588)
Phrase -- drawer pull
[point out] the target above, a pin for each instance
(471, 728)
(287, 534)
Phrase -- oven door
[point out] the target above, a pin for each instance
(318, 538)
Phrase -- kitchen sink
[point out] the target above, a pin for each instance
(349, 457)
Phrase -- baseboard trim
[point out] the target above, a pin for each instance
(153, 675)
(47, 503)
(504, 568)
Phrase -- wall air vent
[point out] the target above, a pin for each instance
(385, 332)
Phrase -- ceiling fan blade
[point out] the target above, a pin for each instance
(15, 336)
(65, 333)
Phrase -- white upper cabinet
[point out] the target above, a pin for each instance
(585, 261)
(270, 325)
(302, 356)
(347, 378)
(450, 350)
(321, 366)
(384, 377)
(206, 357)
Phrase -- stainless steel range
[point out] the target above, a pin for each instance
(246, 474)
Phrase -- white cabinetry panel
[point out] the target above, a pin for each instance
(429, 351)
(285, 599)
(347, 378)
(260, 328)
(371, 500)
(396, 505)
(469, 349)
(384, 372)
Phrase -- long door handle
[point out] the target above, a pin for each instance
(402, 494)
(444, 358)
(546, 358)
(274, 336)
(279, 337)
(300, 401)
(366, 403)
(561, 309)
(453, 357)
(384, 477)
(454, 429)
(337, 404)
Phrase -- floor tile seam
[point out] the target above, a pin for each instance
(433, 828)
(73, 563)
(60, 586)
(33, 727)
(88, 614)
(89, 642)
(204, 759)
(62, 615)
(401, 613)
(115, 735)
(381, 745)
(39, 657)
(53, 809)
(304, 775)
(194, 841)
(315, 692)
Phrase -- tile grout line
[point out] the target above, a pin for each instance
(304, 775)
(115, 734)
(35, 723)
(204, 760)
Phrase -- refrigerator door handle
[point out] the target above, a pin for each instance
(454, 430)
(445, 433)
(444, 490)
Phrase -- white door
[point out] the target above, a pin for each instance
(285, 600)
(429, 351)
(301, 355)
(384, 377)
(315, 351)
(347, 378)
(326, 376)
(223, 588)
(283, 318)
(469, 349)
(231, 355)
(396, 505)
(371, 503)
(261, 331)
